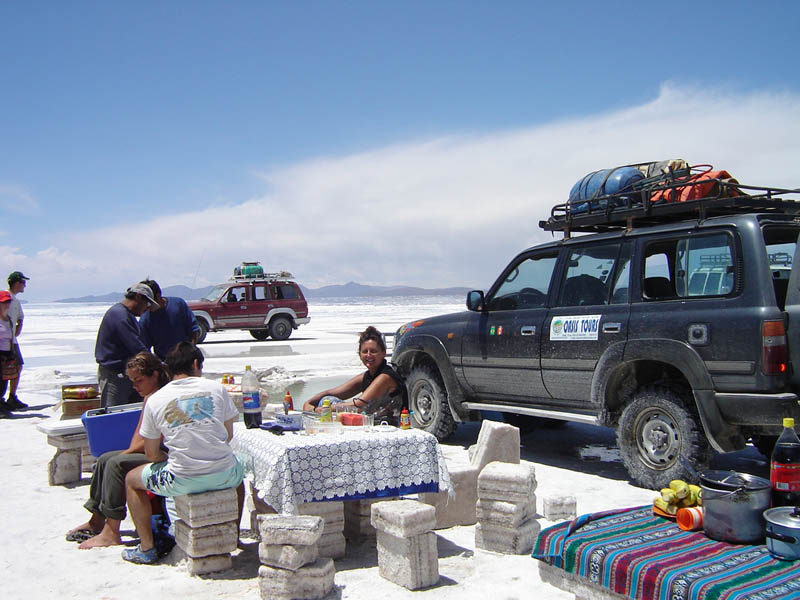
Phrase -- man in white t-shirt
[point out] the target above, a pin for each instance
(194, 417)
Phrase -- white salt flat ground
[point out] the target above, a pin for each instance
(58, 343)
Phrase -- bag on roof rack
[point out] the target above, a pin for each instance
(593, 190)
(705, 184)
(248, 269)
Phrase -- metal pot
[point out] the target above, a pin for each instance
(783, 532)
(733, 506)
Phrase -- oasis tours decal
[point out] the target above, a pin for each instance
(570, 328)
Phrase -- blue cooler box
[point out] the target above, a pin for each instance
(111, 428)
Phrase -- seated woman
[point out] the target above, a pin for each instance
(107, 491)
(379, 391)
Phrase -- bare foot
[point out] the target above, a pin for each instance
(101, 540)
(96, 523)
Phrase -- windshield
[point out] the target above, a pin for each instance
(214, 294)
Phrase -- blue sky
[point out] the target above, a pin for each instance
(412, 143)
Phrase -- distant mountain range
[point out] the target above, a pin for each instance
(348, 290)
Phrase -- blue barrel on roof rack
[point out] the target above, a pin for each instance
(592, 190)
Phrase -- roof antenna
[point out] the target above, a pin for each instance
(191, 287)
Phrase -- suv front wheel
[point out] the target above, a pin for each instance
(427, 400)
(657, 428)
(201, 335)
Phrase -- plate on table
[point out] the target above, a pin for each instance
(384, 428)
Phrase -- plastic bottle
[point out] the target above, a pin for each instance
(326, 415)
(784, 468)
(224, 378)
(251, 399)
(288, 403)
(230, 379)
(405, 419)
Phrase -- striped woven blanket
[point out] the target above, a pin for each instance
(637, 554)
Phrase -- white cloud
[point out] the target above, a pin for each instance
(16, 199)
(434, 213)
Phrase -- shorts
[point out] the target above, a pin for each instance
(19, 355)
(157, 478)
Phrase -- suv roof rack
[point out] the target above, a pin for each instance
(280, 275)
(635, 208)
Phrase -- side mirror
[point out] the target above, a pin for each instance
(475, 300)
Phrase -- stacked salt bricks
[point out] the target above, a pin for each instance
(407, 552)
(506, 508)
(207, 529)
(331, 543)
(290, 564)
(357, 518)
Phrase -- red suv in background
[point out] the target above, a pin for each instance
(268, 305)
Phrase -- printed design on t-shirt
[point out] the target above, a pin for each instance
(183, 411)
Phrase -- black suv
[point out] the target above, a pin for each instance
(671, 322)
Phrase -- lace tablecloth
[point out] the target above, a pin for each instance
(294, 468)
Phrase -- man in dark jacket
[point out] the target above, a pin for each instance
(118, 339)
(169, 322)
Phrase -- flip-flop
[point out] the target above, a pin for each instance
(81, 535)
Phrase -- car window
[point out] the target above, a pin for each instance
(693, 266)
(588, 274)
(284, 291)
(214, 294)
(260, 292)
(526, 284)
(235, 294)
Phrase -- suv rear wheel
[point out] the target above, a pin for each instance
(428, 401)
(280, 328)
(657, 428)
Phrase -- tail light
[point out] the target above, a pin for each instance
(773, 347)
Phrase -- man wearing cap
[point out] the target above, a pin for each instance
(7, 356)
(16, 285)
(118, 339)
(168, 323)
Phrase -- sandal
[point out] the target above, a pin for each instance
(139, 556)
(81, 535)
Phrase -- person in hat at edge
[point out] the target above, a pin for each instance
(119, 339)
(7, 356)
(16, 285)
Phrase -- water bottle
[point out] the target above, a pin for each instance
(251, 399)
(784, 467)
(326, 416)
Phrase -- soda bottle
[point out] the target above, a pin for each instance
(251, 399)
(784, 467)
(288, 403)
(326, 416)
(405, 419)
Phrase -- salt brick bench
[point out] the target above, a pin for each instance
(72, 455)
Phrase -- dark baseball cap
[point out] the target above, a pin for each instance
(17, 276)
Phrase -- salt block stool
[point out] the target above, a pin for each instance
(496, 442)
(407, 551)
(207, 529)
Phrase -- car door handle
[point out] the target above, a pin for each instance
(612, 327)
(243, 307)
(528, 330)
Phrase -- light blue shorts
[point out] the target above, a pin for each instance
(157, 478)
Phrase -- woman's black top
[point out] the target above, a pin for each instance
(387, 407)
